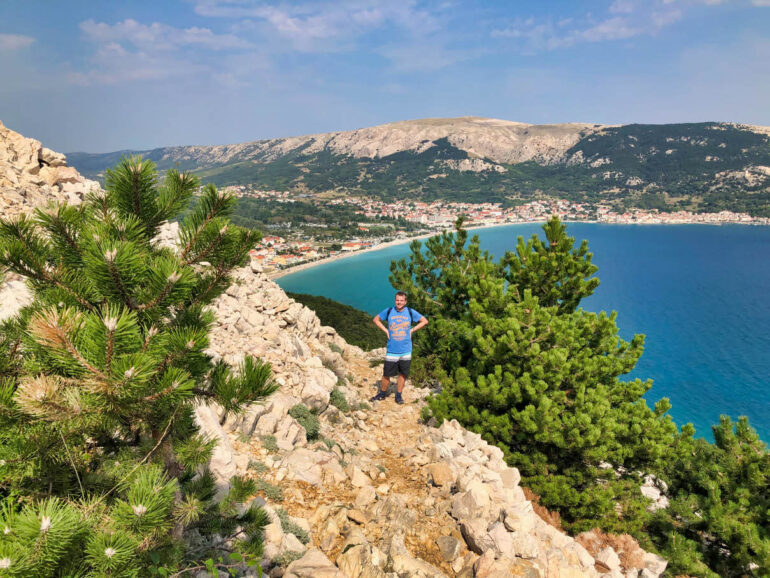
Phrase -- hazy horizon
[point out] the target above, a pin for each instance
(97, 77)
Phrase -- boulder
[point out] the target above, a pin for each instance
(314, 564)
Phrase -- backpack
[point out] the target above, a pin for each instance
(411, 315)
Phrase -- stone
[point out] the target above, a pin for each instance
(328, 534)
(510, 477)
(357, 477)
(357, 516)
(441, 474)
(449, 547)
(366, 495)
(403, 563)
(655, 563)
(474, 533)
(473, 503)
(314, 564)
(502, 540)
(290, 543)
(362, 561)
(526, 546)
(609, 558)
(223, 462)
(303, 464)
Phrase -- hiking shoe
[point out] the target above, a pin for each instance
(399, 399)
(380, 396)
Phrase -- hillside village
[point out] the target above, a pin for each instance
(278, 253)
(344, 500)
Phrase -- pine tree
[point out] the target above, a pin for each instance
(102, 468)
(533, 374)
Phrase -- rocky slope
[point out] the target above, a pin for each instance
(32, 175)
(378, 493)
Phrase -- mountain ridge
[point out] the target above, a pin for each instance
(695, 166)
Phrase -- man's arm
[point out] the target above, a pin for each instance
(420, 324)
(378, 323)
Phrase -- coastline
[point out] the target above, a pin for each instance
(304, 266)
(296, 269)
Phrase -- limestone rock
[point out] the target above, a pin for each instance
(314, 564)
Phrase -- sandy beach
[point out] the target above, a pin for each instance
(283, 272)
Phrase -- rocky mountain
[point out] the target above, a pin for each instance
(699, 166)
(32, 175)
(356, 491)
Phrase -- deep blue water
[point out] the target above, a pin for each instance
(700, 294)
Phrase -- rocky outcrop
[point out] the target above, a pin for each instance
(32, 175)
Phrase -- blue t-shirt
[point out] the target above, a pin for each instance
(399, 324)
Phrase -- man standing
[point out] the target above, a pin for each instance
(398, 354)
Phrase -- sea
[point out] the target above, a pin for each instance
(699, 293)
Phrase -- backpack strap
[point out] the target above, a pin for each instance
(409, 309)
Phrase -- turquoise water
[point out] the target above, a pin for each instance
(701, 295)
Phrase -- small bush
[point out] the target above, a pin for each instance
(338, 400)
(270, 443)
(257, 466)
(374, 362)
(271, 491)
(328, 442)
(287, 558)
(307, 419)
(290, 527)
(335, 348)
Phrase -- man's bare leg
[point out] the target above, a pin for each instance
(385, 383)
(401, 382)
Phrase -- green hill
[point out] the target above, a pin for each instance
(698, 166)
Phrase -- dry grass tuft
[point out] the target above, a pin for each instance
(550, 518)
(627, 548)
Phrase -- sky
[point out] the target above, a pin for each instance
(96, 76)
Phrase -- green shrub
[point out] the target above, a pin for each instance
(335, 348)
(290, 527)
(287, 558)
(353, 325)
(273, 492)
(307, 419)
(257, 466)
(338, 400)
(270, 443)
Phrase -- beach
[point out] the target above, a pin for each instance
(277, 274)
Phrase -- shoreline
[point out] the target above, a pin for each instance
(304, 266)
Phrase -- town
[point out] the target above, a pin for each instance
(277, 253)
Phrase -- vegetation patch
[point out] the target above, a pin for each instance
(271, 491)
(270, 443)
(307, 419)
(353, 325)
(290, 527)
(524, 365)
(338, 400)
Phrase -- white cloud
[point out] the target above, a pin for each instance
(9, 42)
(327, 26)
(130, 51)
(158, 36)
(624, 19)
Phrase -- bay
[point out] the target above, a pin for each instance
(700, 294)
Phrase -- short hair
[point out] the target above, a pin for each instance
(402, 294)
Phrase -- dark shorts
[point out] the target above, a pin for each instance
(396, 366)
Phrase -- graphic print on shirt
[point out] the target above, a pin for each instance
(399, 324)
(398, 327)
